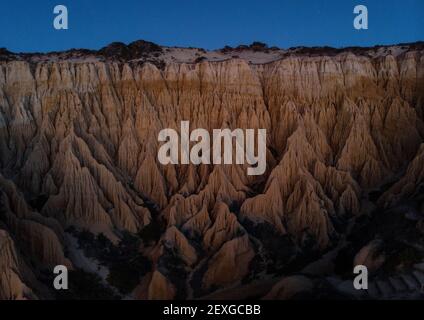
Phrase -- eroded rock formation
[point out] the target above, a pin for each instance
(78, 148)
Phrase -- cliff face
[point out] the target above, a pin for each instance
(78, 147)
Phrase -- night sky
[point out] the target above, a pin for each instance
(28, 25)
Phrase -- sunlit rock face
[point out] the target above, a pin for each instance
(78, 148)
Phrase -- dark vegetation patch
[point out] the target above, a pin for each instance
(343, 263)
(256, 266)
(200, 59)
(38, 202)
(388, 225)
(278, 249)
(151, 233)
(81, 286)
(256, 46)
(150, 52)
(402, 238)
(125, 262)
(6, 55)
(174, 268)
(400, 257)
(135, 50)
(374, 195)
(330, 51)
(158, 63)
(196, 282)
(322, 291)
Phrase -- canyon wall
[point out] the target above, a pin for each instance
(78, 148)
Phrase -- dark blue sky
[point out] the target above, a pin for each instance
(28, 25)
